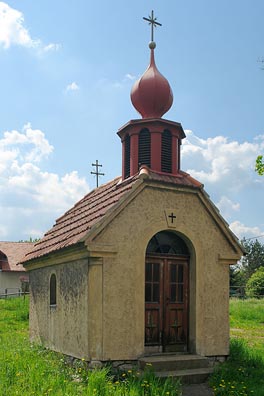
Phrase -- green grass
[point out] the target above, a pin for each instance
(243, 373)
(31, 370)
(247, 322)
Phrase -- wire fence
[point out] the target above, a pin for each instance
(240, 292)
(12, 292)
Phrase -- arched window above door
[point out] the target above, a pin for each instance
(167, 242)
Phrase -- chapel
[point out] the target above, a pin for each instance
(140, 265)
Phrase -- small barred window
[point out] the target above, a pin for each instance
(53, 290)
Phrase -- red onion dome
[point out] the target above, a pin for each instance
(151, 95)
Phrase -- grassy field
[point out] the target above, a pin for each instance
(243, 373)
(247, 322)
(27, 370)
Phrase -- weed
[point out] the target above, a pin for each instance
(31, 370)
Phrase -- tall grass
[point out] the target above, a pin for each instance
(247, 322)
(28, 370)
(243, 373)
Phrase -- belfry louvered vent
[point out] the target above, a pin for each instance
(127, 156)
(144, 148)
(166, 151)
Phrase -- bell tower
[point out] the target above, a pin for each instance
(151, 141)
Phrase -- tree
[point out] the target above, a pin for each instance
(255, 284)
(260, 165)
(30, 240)
(254, 258)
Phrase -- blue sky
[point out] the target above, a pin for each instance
(66, 71)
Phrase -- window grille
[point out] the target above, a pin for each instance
(166, 151)
(166, 242)
(127, 156)
(53, 290)
(144, 148)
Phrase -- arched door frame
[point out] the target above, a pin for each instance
(167, 263)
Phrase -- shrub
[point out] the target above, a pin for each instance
(255, 284)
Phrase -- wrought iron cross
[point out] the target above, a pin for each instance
(172, 217)
(153, 22)
(97, 173)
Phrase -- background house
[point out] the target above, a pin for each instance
(11, 273)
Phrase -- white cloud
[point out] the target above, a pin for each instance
(31, 198)
(220, 162)
(72, 87)
(51, 47)
(241, 230)
(227, 207)
(226, 167)
(123, 83)
(3, 231)
(130, 77)
(14, 32)
(30, 145)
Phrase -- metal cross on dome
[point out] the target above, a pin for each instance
(153, 22)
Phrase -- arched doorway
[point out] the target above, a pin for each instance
(166, 293)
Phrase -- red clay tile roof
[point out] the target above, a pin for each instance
(70, 228)
(15, 252)
(182, 178)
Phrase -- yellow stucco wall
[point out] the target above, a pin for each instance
(123, 273)
(100, 308)
(63, 327)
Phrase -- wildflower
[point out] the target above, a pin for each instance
(129, 371)
(148, 364)
(124, 374)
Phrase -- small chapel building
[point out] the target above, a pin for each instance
(140, 265)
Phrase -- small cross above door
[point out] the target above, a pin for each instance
(171, 217)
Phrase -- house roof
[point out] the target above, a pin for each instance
(74, 225)
(15, 252)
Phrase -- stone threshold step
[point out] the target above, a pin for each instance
(168, 358)
(189, 376)
(174, 363)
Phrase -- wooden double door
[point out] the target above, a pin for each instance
(166, 303)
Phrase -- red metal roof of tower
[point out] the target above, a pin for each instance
(151, 95)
